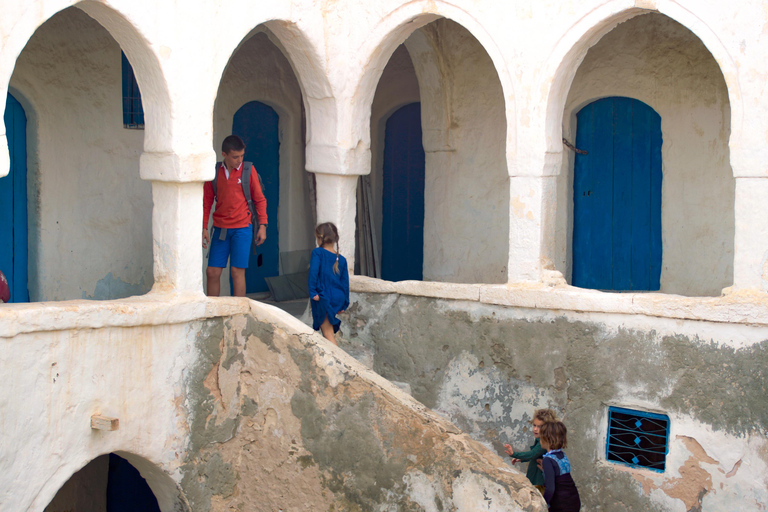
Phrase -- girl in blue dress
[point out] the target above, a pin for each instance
(328, 282)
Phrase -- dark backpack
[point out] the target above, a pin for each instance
(245, 180)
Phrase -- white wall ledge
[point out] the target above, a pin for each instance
(154, 308)
(742, 307)
(163, 308)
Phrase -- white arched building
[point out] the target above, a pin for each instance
(547, 204)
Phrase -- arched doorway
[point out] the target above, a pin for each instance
(13, 203)
(257, 124)
(109, 483)
(402, 230)
(617, 196)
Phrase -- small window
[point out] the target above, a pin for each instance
(133, 112)
(637, 438)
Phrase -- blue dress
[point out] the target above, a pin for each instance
(332, 288)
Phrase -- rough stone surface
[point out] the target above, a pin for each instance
(278, 420)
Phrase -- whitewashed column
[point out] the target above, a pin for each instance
(337, 203)
(750, 260)
(177, 218)
(532, 206)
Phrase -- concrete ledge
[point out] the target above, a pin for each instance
(454, 291)
(173, 168)
(149, 309)
(743, 307)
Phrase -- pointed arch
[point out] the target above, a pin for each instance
(567, 55)
(392, 30)
(170, 496)
(145, 62)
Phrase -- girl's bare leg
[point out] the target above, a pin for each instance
(327, 329)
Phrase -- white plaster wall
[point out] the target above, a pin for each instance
(90, 213)
(260, 72)
(398, 87)
(661, 63)
(466, 193)
(339, 52)
(63, 378)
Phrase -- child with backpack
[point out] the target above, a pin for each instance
(239, 198)
(560, 490)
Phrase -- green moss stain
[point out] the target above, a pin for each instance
(205, 474)
(345, 440)
(207, 477)
(250, 407)
(721, 386)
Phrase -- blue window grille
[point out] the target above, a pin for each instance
(133, 112)
(637, 438)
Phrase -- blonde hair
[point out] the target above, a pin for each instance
(554, 434)
(328, 234)
(545, 415)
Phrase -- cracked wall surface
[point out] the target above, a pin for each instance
(488, 367)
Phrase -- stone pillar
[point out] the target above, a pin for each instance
(177, 236)
(527, 197)
(532, 216)
(750, 259)
(337, 203)
(177, 217)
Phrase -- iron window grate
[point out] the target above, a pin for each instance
(133, 111)
(637, 438)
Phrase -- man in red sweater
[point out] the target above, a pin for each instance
(232, 229)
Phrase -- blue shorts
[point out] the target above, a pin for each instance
(237, 242)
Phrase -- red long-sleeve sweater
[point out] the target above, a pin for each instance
(231, 207)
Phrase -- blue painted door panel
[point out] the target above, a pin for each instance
(617, 196)
(257, 124)
(402, 230)
(13, 204)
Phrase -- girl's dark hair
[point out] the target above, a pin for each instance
(554, 434)
(232, 143)
(328, 234)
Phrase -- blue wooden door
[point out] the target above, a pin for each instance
(402, 229)
(13, 204)
(617, 196)
(257, 124)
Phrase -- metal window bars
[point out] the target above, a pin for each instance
(637, 438)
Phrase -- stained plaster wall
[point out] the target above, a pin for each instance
(232, 405)
(656, 60)
(90, 233)
(488, 367)
(260, 72)
(466, 199)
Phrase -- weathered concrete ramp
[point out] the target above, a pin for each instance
(281, 420)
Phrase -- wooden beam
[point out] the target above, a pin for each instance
(104, 423)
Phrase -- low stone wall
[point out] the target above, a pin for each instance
(488, 366)
(279, 419)
(223, 404)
